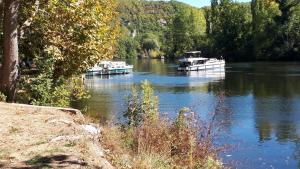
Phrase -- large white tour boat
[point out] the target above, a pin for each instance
(110, 68)
(193, 61)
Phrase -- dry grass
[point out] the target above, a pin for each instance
(160, 144)
(28, 139)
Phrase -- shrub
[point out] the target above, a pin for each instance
(141, 105)
(134, 112)
(153, 141)
(42, 90)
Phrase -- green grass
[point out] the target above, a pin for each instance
(14, 130)
(40, 143)
(3, 154)
(70, 144)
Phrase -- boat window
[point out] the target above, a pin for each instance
(192, 55)
(185, 64)
(199, 62)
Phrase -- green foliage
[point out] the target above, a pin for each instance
(260, 30)
(151, 24)
(41, 90)
(149, 102)
(133, 112)
(86, 34)
(276, 30)
(150, 45)
(263, 13)
(141, 105)
(150, 42)
(180, 121)
(127, 47)
(187, 26)
(286, 43)
(231, 32)
(182, 33)
(2, 97)
(64, 39)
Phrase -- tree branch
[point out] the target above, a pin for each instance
(28, 22)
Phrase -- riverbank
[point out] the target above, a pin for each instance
(37, 137)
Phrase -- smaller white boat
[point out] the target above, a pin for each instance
(193, 61)
(110, 68)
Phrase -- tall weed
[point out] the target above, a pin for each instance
(154, 141)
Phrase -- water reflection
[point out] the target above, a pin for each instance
(216, 74)
(276, 90)
(267, 97)
(263, 98)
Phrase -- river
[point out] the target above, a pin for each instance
(262, 123)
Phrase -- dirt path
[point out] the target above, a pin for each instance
(40, 137)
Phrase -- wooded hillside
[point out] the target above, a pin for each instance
(150, 27)
(259, 30)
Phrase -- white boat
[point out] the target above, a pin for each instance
(193, 61)
(110, 68)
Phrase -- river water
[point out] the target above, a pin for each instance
(263, 101)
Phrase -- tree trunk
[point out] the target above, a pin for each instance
(1, 32)
(10, 61)
(1, 11)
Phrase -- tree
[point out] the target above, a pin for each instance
(81, 35)
(286, 8)
(286, 41)
(1, 31)
(127, 46)
(231, 31)
(150, 45)
(275, 29)
(263, 25)
(63, 37)
(214, 15)
(183, 28)
(10, 60)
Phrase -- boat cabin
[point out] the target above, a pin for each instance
(193, 61)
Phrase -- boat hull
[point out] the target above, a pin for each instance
(109, 72)
(110, 68)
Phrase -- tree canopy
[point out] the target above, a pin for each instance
(61, 39)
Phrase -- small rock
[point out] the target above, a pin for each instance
(91, 129)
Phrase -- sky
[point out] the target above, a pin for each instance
(201, 3)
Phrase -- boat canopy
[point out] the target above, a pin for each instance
(192, 54)
(193, 59)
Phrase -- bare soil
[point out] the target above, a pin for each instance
(41, 137)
